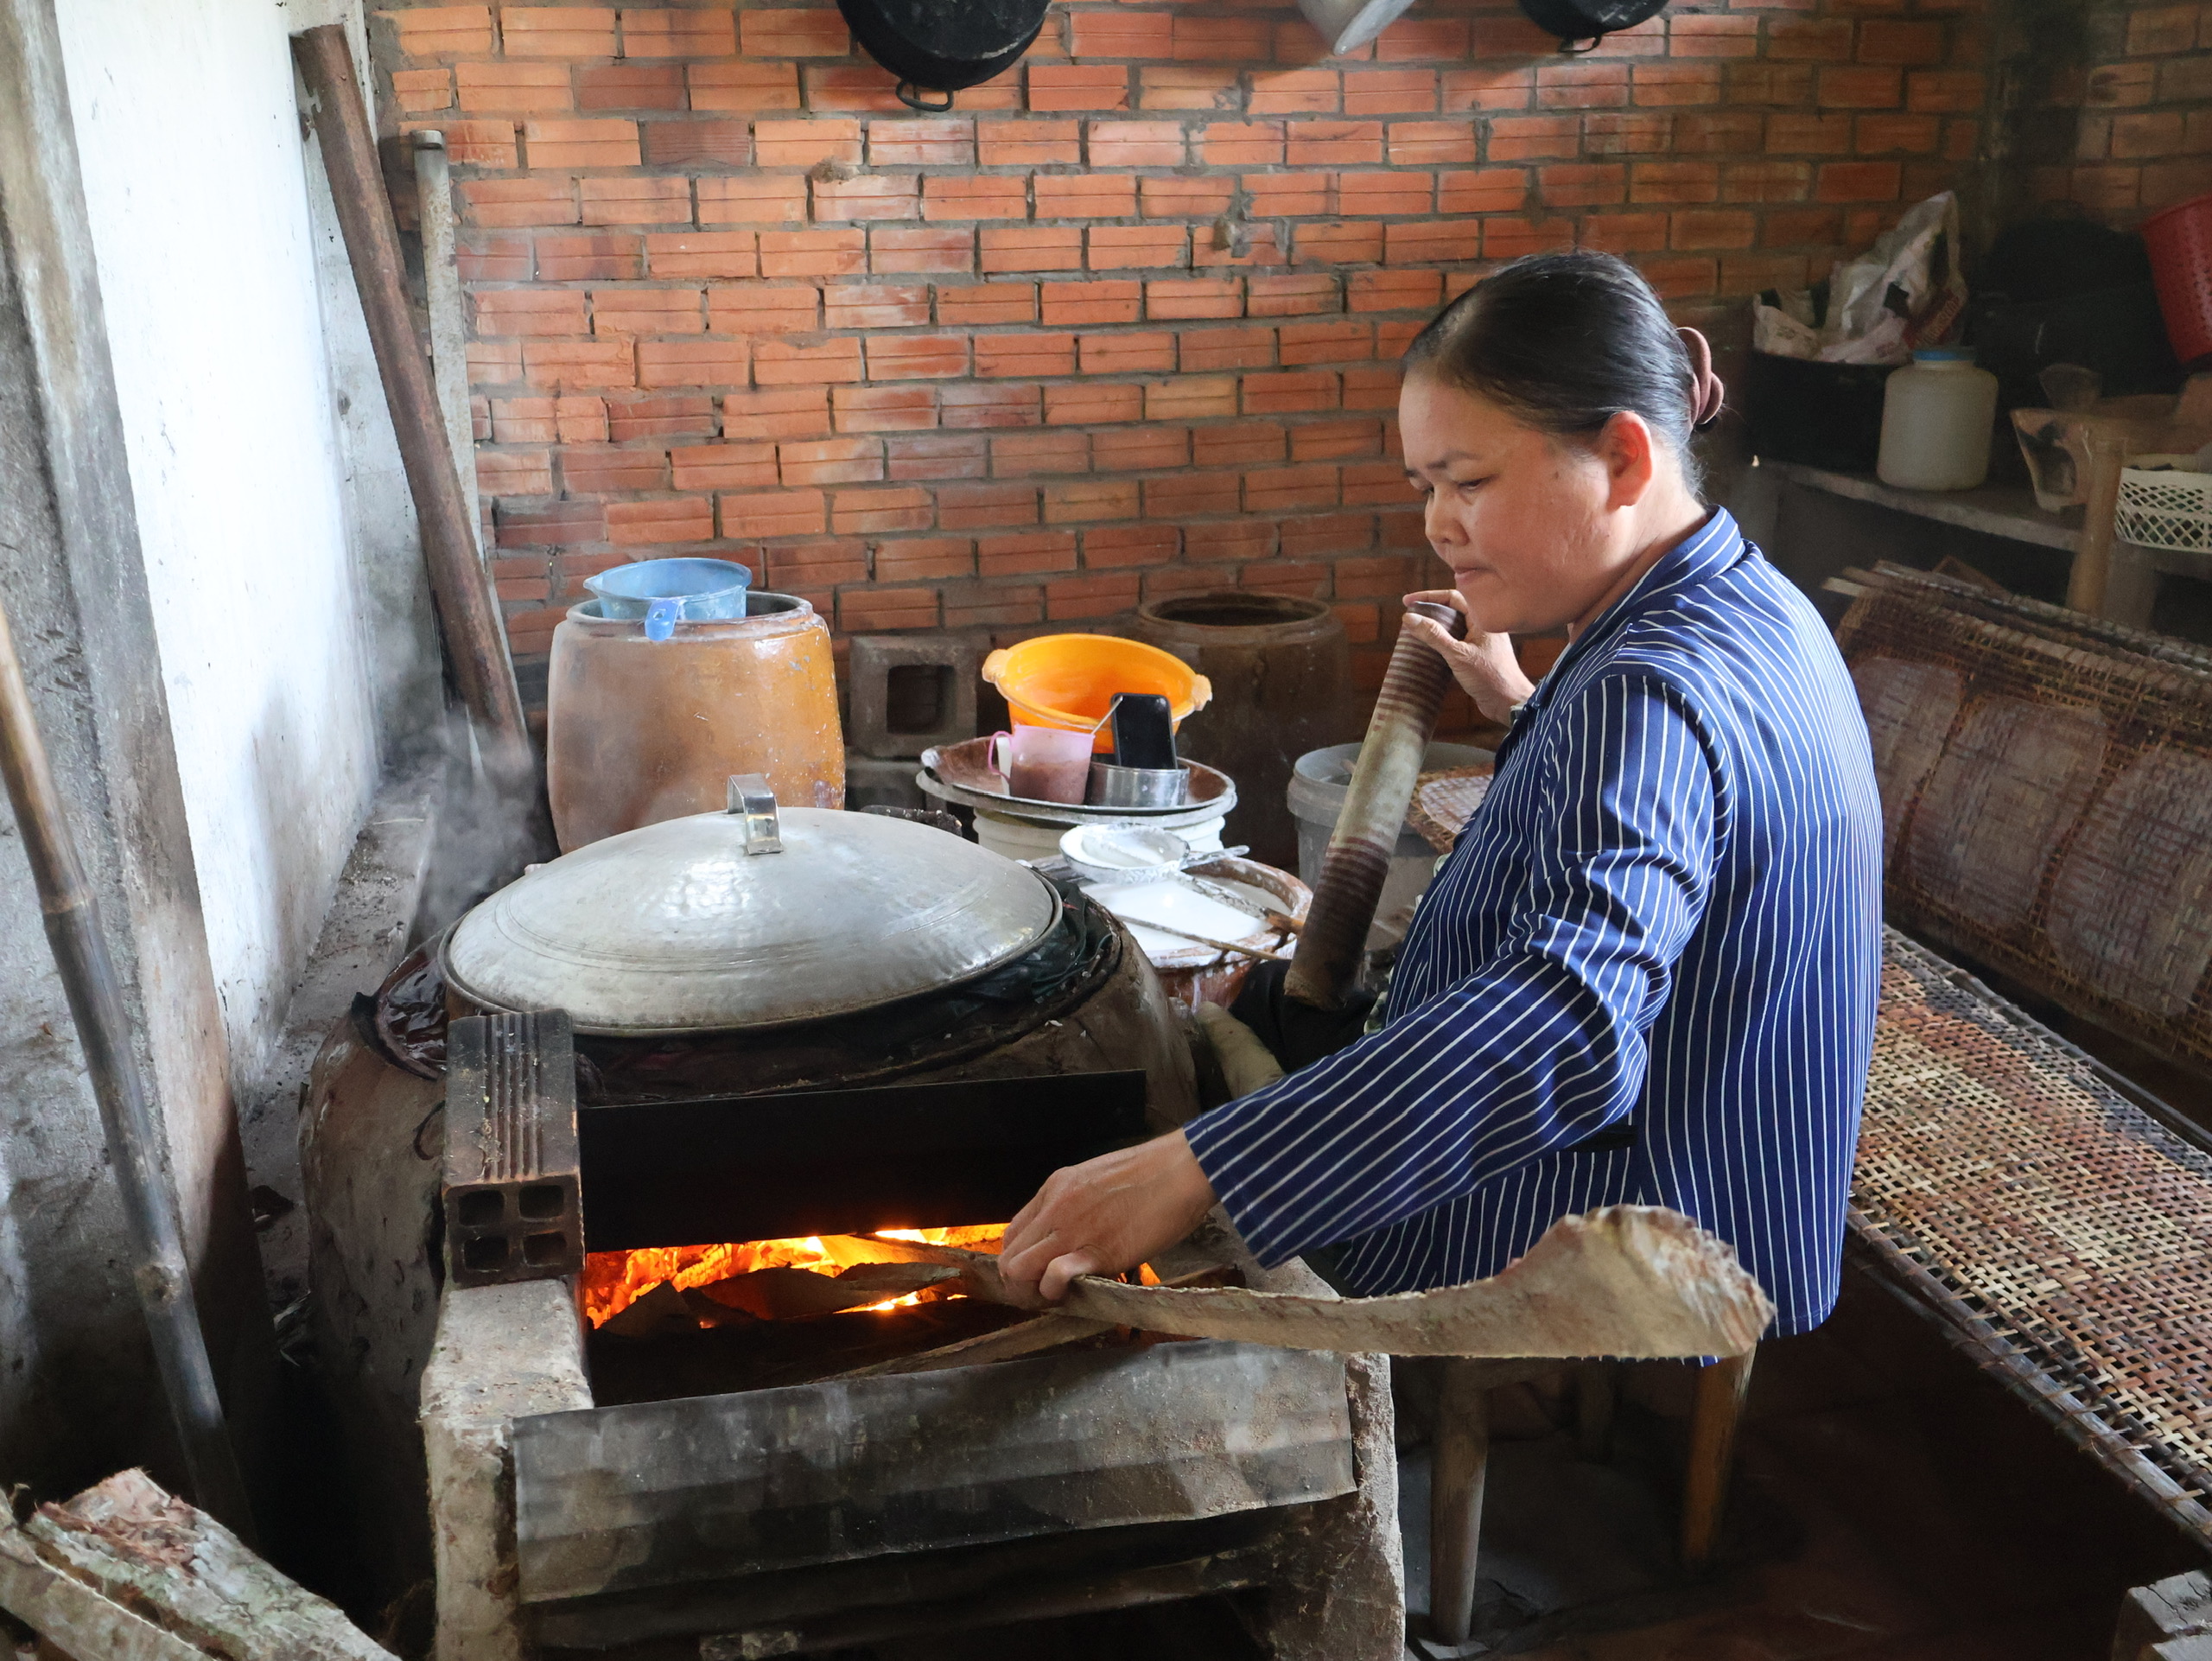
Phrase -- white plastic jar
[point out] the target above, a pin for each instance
(1937, 416)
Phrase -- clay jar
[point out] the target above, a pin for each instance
(639, 730)
(1281, 673)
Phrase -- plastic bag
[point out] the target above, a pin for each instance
(1906, 291)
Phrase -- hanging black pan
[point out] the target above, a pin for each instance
(1580, 24)
(941, 46)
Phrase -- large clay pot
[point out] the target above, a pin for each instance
(639, 730)
(1281, 673)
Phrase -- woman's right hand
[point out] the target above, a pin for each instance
(1484, 665)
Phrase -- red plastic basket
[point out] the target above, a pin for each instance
(2180, 241)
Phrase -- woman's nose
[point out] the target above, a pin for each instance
(1439, 524)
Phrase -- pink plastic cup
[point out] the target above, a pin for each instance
(1043, 764)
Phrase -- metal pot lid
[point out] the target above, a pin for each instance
(675, 928)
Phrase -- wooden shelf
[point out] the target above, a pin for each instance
(1997, 510)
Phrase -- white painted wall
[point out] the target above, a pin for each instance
(274, 527)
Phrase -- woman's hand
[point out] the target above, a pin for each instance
(1484, 665)
(1103, 1216)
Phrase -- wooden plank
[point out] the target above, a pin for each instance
(663, 1492)
(73, 1616)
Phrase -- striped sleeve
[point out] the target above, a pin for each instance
(1535, 1049)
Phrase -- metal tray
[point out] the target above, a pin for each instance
(962, 773)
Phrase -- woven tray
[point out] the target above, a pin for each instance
(1444, 802)
(2060, 1233)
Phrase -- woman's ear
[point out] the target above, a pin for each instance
(1631, 455)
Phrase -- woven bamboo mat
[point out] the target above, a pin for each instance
(2061, 1233)
(1444, 802)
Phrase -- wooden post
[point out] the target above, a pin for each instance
(2107, 443)
(1720, 1391)
(468, 613)
(1460, 1462)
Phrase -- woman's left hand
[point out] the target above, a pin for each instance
(1103, 1216)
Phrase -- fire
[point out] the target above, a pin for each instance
(614, 1280)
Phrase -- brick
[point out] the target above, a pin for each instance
(1419, 242)
(1860, 87)
(753, 199)
(922, 143)
(494, 363)
(1374, 484)
(1810, 135)
(1389, 91)
(439, 31)
(1190, 397)
(1637, 133)
(1207, 349)
(817, 564)
(1115, 32)
(873, 611)
(1428, 40)
(974, 196)
(774, 513)
(1328, 441)
(1752, 273)
(897, 252)
(692, 363)
(635, 201)
(1005, 356)
(1681, 277)
(884, 409)
(1123, 355)
(1136, 143)
(1430, 143)
(1239, 443)
(794, 33)
(1396, 291)
(1238, 539)
(812, 253)
(1090, 403)
(1857, 182)
(914, 559)
(481, 144)
(1714, 228)
(582, 144)
(1766, 181)
(1510, 37)
(1602, 86)
(684, 415)
(1032, 248)
(1521, 139)
(2156, 31)
(917, 357)
(874, 305)
(515, 473)
(1721, 132)
(1022, 456)
(2115, 85)
(1487, 88)
(561, 524)
(1071, 598)
(1300, 42)
(2165, 184)
(594, 470)
(876, 512)
(1339, 341)
(740, 85)
(1027, 143)
(870, 197)
(1078, 501)
(1488, 190)
(1339, 242)
(688, 143)
(1175, 299)
(1810, 40)
(1895, 42)
(806, 143)
(530, 311)
(513, 88)
(1944, 90)
(1212, 38)
(764, 308)
(1242, 144)
(1079, 86)
(1145, 449)
(1191, 494)
(723, 467)
(1093, 195)
(970, 406)
(1132, 247)
(549, 420)
(647, 311)
(579, 363)
(1583, 184)
(1288, 195)
(779, 412)
(1713, 35)
(418, 91)
(1187, 86)
(1179, 197)
(1798, 227)
(1333, 143)
(1119, 547)
(1290, 392)
(1001, 606)
(2186, 80)
(991, 507)
(1302, 296)
(682, 519)
(701, 253)
(1769, 83)
(782, 363)
(1675, 81)
(1916, 134)
(932, 457)
(557, 31)
(1510, 239)
(1675, 181)
(658, 32)
(494, 260)
(973, 304)
(1295, 92)
(1074, 305)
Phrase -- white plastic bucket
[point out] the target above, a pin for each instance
(1317, 796)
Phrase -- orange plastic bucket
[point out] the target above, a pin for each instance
(1070, 680)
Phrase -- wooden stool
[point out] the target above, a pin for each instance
(1460, 1463)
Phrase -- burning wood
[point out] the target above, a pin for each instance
(728, 1275)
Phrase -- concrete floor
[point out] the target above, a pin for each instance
(1892, 1505)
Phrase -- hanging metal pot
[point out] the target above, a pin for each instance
(1580, 24)
(941, 46)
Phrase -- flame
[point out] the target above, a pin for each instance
(612, 1281)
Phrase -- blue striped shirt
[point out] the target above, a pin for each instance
(1647, 973)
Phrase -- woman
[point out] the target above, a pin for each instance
(1647, 973)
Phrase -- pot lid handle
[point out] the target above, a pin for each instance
(750, 798)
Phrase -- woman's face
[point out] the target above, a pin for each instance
(1529, 524)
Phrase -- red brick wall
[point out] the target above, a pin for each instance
(2144, 139)
(1124, 324)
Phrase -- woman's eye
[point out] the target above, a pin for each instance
(1468, 487)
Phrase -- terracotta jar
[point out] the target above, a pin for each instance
(639, 730)
(1282, 672)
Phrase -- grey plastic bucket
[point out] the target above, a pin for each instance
(1317, 796)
